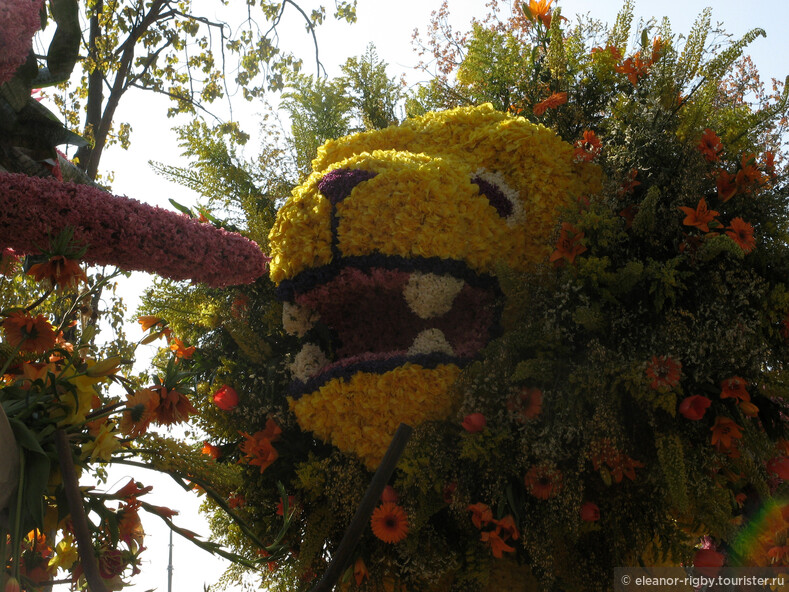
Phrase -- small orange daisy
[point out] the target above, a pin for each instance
(29, 333)
(742, 233)
(389, 523)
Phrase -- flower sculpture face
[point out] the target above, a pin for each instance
(386, 260)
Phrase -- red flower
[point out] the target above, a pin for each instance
(726, 185)
(131, 490)
(694, 407)
(481, 514)
(543, 482)
(590, 512)
(474, 423)
(742, 233)
(734, 388)
(588, 147)
(710, 145)
(526, 404)
(58, 271)
(779, 466)
(497, 544)
(389, 495)
(226, 398)
(555, 100)
(111, 563)
(664, 371)
(281, 506)
(708, 562)
(724, 433)
(569, 245)
(389, 523)
(700, 217)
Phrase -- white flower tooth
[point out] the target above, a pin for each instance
(308, 361)
(297, 319)
(430, 341)
(430, 295)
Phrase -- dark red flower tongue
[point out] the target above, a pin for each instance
(367, 312)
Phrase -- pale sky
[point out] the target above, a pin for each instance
(389, 26)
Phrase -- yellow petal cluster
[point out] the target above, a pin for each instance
(361, 414)
(422, 202)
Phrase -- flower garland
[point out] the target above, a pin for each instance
(19, 20)
(123, 232)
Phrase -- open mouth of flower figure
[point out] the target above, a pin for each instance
(376, 313)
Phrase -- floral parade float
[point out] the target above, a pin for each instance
(583, 321)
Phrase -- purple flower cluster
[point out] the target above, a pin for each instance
(19, 20)
(123, 232)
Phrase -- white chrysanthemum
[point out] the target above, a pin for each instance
(297, 320)
(430, 295)
(308, 361)
(430, 341)
(518, 215)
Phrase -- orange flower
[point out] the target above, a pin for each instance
(497, 544)
(236, 500)
(748, 173)
(389, 523)
(541, 9)
(734, 388)
(58, 271)
(180, 350)
(569, 245)
(525, 404)
(211, 450)
(742, 233)
(508, 527)
(481, 514)
(174, 407)
(148, 321)
(664, 371)
(360, 572)
(634, 68)
(588, 147)
(131, 490)
(543, 482)
(624, 466)
(724, 432)
(129, 525)
(29, 333)
(700, 217)
(726, 185)
(258, 448)
(630, 183)
(555, 100)
(613, 53)
(139, 413)
(710, 145)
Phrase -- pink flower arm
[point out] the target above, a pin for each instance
(123, 232)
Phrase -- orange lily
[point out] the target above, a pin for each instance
(700, 217)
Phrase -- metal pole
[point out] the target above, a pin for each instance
(170, 566)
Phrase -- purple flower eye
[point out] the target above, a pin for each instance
(336, 185)
(497, 196)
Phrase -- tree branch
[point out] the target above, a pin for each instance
(90, 565)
